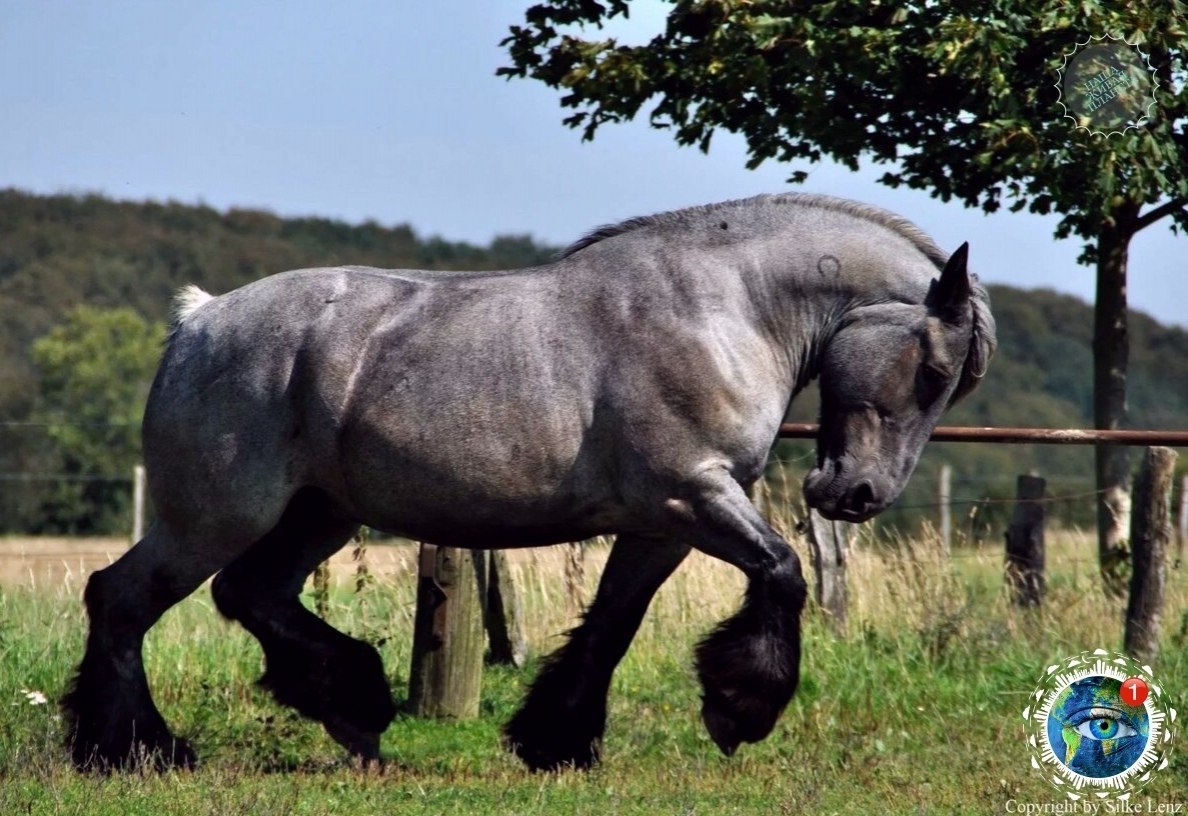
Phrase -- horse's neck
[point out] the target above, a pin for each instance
(798, 319)
(806, 299)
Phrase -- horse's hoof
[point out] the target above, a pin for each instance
(721, 724)
(363, 745)
(162, 755)
(732, 720)
(177, 756)
(550, 751)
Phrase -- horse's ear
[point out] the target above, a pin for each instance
(951, 298)
(949, 295)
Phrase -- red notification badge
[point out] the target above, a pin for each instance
(1134, 691)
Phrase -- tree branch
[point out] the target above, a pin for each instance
(1151, 216)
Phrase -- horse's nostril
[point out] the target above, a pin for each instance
(861, 498)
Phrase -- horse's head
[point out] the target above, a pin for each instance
(886, 377)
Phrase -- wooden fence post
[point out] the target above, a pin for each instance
(575, 576)
(828, 543)
(137, 503)
(945, 491)
(506, 644)
(1025, 543)
(448, 642)
(1150, 539)
(1182, 537)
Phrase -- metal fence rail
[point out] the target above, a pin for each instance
(1043, 436)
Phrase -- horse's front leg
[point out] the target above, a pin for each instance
(563, 717)
(750, 665)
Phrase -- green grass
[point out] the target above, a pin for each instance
(915, 707)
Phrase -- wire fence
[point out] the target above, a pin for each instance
(912, 500)
(64, 477)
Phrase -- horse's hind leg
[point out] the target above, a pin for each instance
(110, 716)
(309, 665)
(562, 720)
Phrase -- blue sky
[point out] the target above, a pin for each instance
(392, 111)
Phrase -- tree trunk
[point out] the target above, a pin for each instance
(1111, 350)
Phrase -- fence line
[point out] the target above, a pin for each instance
(47, 423)
(62, 477)
(796, 430)
(809, 430)
(1045, 436)
(955, 502)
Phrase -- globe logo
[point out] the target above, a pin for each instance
(1099, 725)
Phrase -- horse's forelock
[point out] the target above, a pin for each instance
(982, 342)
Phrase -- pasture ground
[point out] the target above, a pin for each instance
(915, 708)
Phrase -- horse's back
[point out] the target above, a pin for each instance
(402, 395)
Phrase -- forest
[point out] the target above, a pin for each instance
(86, 284)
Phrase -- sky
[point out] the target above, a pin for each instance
(391, 111)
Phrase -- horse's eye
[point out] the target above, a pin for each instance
(933, 380)
(935, 374)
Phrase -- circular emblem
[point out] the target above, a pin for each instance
(1099, 725)
(1107, 86)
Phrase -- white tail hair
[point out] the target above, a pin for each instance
(188, 300)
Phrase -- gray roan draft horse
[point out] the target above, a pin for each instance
(634, 387)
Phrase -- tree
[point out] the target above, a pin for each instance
(960, 99)
(96, 367)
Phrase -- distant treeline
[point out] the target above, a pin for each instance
(58, 253)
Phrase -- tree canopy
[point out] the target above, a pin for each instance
(956, 98)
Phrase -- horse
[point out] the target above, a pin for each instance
(633, 387)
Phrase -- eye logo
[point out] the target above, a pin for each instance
(1093, 732)
(1099, 725)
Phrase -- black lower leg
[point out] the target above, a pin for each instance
(563, 717)
(111, 720)
(750, 665)
(311, 666)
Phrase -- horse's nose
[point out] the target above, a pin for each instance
(860, 500)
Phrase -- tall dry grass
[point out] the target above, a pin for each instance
(929, 674)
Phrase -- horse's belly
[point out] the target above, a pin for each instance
(486, 521)
(434, 481)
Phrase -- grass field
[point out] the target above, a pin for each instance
(915, 708)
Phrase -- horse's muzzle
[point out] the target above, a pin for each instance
(839, 500)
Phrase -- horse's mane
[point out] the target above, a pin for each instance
(857, 209)
(983, 342)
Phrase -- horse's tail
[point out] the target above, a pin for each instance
(188, 300)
